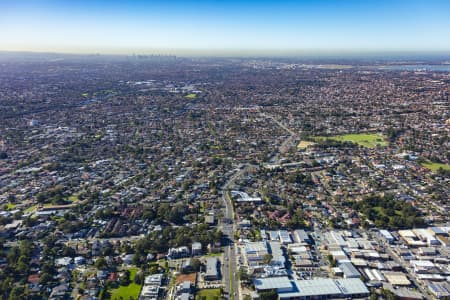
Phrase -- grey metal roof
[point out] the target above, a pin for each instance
(317, 287)
(185, 296)
(253, 247)
(211, 266)
(349, 270)
(351, 286)
(326, 287)
(301, 235)
(272, 283)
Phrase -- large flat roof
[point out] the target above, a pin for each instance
(351, 286)
(327, 286)
(396, 278)
(317, 287)
(256, 247)
(349, 270)
(301, 235)
(273, 283)
(211, 266)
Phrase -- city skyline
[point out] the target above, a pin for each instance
(236, 27)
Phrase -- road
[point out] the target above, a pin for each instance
(228, 223)
(285, 145)
(278, 123)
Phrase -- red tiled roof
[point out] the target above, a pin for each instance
(34, 278)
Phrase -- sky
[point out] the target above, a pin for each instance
(165, 27)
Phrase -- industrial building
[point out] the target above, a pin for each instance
(285, 237)
(255, 252)
(212, 272)
(323, 288)
(278, 258)
(440, 290)
(387, 236)
(301, 236)
(349, 271)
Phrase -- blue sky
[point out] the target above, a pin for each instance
(161, 26)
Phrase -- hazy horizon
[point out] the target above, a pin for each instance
(205, 27)
(246, 53)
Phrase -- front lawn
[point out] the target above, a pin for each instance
(131, 290)
(209, 294)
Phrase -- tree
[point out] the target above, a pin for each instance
(125, 279)
(332, 261)
(196, 264)
(267, 258)
(148, 214)
(268, 295)
(49, 268)
(22, 265)
(163, 211)
(45, 278)
(297, 220)
(101, 263)
(17, 293)
(373, 296)
(153, 269)
(69, 251)
(136, 259)
(13, 255)
(243, 275)
(139, 278)
(388, 295)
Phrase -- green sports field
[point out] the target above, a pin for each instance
(368, 140)
(435, 166)
(191, 96)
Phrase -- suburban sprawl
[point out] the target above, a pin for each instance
(160, 177)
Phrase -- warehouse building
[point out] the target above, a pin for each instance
(324, 288)
(255, 253)
(278, 258)
(212, 273)
(387, 236)
(301, 236)
(349, 271)
(285, 237)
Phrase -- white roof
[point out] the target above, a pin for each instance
(196, 245)
(256, 247)
(386, 234)
(298, 249)
(407, 233)
(422, 263)
(154, 279)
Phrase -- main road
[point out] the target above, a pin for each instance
(228, 222)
